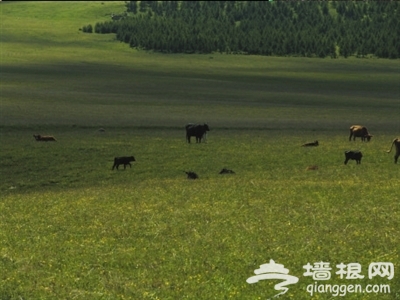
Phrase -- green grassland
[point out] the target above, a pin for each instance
(71, 228)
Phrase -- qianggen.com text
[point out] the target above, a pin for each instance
(344, 289)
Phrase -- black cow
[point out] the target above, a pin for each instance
(226, 171)
(123, 160)
(191, 175)
(196, 130)
(354, 155)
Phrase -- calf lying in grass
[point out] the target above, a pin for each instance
(313, 144)
(191, 175)
(226, 171)
(44, 138)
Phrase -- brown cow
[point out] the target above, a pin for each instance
(359, 131)
(44, 138)
(310, 168)
(396, 143)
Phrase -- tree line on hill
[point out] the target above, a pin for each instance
(280, 28)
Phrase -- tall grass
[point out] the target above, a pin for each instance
(71, 228)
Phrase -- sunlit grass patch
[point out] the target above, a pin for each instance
(150, 232)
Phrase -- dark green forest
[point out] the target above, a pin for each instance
(279, 28)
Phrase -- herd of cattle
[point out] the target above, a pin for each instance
(200, 133)
(362, 132)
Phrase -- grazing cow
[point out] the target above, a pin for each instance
(199, 131)
(123, 160)
(313, 144)
(191, 175)
(44, 138)
(396, 143)
(226, 171)
(354, 155)
(204, 137)
(359, 131)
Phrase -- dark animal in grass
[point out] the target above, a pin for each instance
(191, 175)
(359, 131)
(226, 171)
(312, 168)
(354, 155)
(396, 143)
(313, 144)
(123, 160)
(44, 138)
(196, 130)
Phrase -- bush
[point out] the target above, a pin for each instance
(87, 29)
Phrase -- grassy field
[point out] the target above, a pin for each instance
(71, 228)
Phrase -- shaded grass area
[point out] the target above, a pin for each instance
(103, 95)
